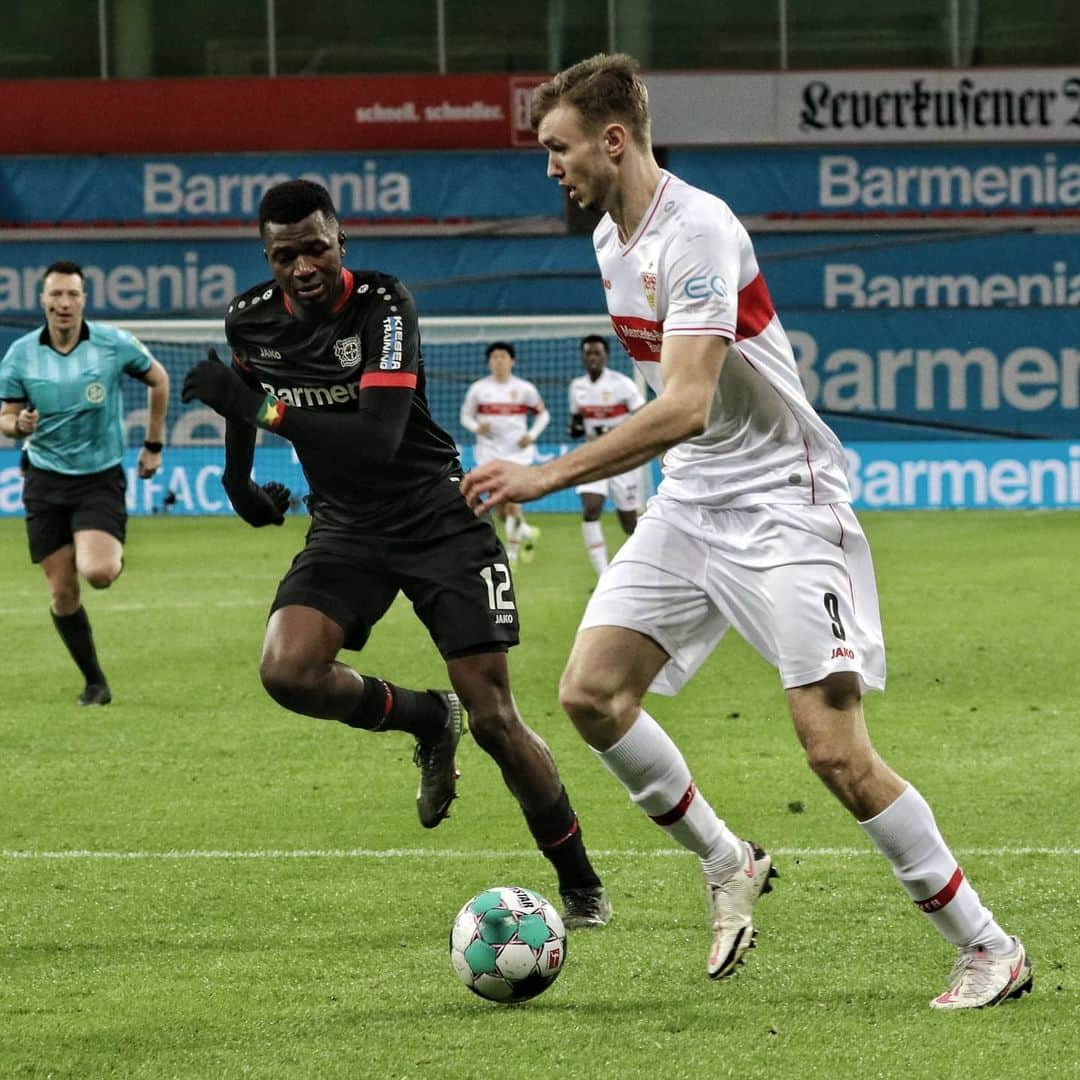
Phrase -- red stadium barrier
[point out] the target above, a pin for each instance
(386, 112)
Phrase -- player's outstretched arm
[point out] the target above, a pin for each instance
(258, 506)
(691, 369)
(373, 432)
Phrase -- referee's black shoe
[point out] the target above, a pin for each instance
(438, 769)
(95, 694)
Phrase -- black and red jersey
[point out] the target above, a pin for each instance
(338, 363)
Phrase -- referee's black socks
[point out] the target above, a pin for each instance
(386, 707)
(75, 632)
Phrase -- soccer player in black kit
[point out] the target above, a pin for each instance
(329, 358)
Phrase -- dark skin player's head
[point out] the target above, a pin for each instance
(303, 243)
(594, 355)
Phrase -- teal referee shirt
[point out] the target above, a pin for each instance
(78, 397)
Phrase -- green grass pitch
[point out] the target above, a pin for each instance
(196, 883)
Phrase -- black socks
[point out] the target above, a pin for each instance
(75, 632)
(558, 836)
(386, 707)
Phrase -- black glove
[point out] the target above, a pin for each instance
(222, 389)
(265, 505)
(577, 425)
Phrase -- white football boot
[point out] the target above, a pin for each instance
(731, 904)
(980, 979)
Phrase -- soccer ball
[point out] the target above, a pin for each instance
(508, 944)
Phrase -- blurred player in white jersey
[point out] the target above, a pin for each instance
(600, 400)
(750, 529)
(498, 409)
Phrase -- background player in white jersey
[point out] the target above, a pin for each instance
(600, 400)
(750, 528)
(498, 409)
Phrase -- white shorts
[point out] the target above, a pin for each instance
(520, 455)
(797, 582)
(623, 490)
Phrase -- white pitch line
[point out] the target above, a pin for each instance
(440, 853)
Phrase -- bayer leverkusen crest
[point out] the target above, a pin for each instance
(347, 350)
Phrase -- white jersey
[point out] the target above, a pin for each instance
(507, 409)
(690, 270)
(605, 403)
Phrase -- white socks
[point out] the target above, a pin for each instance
(595, 544)
(653, 771)
(513, 538)
(906, 834)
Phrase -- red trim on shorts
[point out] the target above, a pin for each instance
(940, 899)
(678, 811)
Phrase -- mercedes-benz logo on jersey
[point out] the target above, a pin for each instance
(95, 393)
(347, 350)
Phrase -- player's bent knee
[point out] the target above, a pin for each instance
(839, 766)
(101, 577)
(288, 683)
(492, 728)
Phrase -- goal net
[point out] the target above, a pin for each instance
(548, 354)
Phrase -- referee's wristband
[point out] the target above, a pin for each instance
(154, 447)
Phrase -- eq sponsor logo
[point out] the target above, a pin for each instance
(700, 286)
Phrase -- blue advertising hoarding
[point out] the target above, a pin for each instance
(883, 476)
(162, 278)
(888, 181)
(874, 181)
(536, 274)
(219, 188)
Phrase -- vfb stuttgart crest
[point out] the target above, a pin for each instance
(648, 279)
(347, 350)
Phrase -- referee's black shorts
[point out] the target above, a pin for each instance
(58, 505)
(450, 565)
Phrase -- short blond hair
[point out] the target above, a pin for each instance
(605, 87)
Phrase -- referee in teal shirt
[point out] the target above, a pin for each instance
(60, 388)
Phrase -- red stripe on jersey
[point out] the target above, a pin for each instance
(346, 292)
(678, 811)
(494, 408)
(641, 338)
(756, 309)
(603, 412)
(388, 378)
(940, 899)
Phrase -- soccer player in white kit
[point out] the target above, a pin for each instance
(497, 410)
(750, 529)
(600, 400)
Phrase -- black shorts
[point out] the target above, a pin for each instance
(450, 565)
(59, 505)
